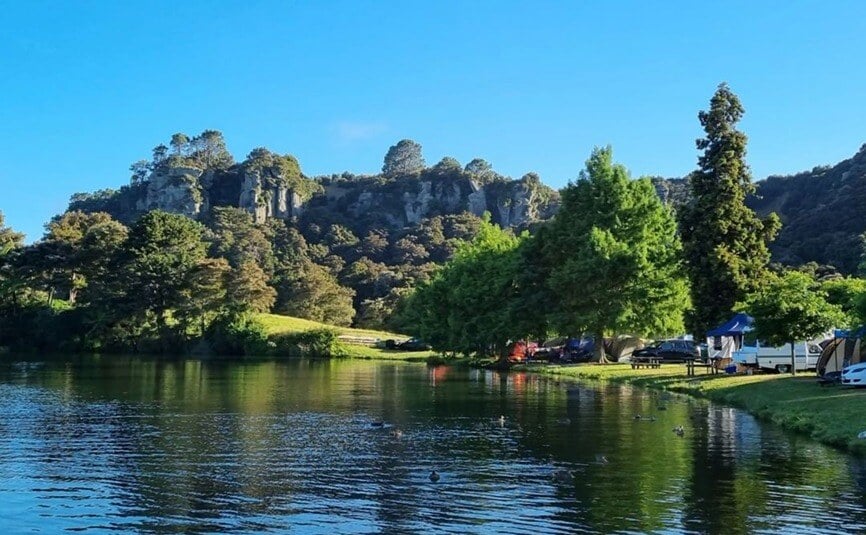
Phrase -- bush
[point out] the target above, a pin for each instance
(237, 335)
(313, 343)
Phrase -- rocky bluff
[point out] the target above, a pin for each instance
(269, 185)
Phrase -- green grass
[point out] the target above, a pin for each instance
(833, 415)
(275, 324)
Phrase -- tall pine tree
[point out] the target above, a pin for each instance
(724, 242)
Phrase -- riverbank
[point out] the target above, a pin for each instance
(832, 415)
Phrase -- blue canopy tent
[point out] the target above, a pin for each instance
(728, 337)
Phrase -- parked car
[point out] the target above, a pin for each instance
(413, 344)
(854, 375)
(670, 351)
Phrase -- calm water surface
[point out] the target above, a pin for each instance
(117, 444)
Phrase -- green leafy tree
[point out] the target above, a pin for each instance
(248, 290)
(154, 271)
(404, 158)
(204, 293)
(447, 166)
(724, 242)
(11, 283)
(464, 307)
(481, 170)
(77, 244)
(846, 293)
(614, 257)
(140, 171)
(236, 237)
(314, 293)
(209, 150)
(179, 143)
(9, 239)
(790, 308)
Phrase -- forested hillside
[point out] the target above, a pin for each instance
(823, 213)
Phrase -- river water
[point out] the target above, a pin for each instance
(117, 444)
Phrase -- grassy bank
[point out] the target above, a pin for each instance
(358, 342)
(831, 415)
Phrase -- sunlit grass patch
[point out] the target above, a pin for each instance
(276, 324)
(833, 415)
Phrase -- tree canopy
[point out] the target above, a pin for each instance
(404, 158)
(790, 308)
(614, 257)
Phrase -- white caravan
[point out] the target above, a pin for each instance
(755, 353)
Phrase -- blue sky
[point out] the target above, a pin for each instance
(89, 87)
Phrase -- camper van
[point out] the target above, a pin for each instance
(756, 353)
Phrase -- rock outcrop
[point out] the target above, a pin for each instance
(266, 200)
(270, 186)
(173, 189)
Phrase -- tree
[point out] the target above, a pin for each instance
(479, 167)
(72, 250)
(160, 153)
(154, 270)
(724, 242)
(209, 149)
(237, 238)
(614, 257)
(248, 290)
(789, 308)
(204, 293)
(407, 250)
(447, 166)
(179, 143)
(464, 307)
(315, 294)
(846, 293)
(9, 239)
(140, 170)
(404, 158)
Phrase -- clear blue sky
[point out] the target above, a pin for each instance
(89, 87)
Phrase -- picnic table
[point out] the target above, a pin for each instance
(709, 365)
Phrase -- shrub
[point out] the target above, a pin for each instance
(237, 335)
(313, 343)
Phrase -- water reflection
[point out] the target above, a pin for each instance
(203, 446)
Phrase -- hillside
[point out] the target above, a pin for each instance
(823, 213)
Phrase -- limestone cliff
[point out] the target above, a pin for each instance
(271, 186)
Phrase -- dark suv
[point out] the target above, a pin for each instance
(670, 351)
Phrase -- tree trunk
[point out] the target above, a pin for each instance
(793, 360)
(599, 354)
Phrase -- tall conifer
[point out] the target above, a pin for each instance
(724, 241)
